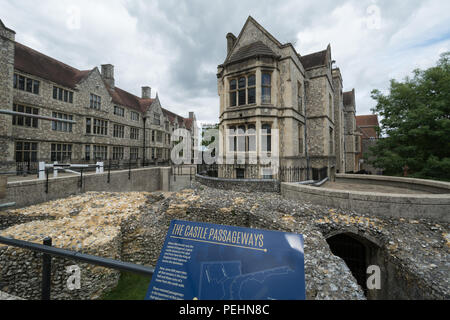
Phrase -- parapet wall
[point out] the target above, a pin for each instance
(429, 186)
(240, 185)
(31, 192)
(427, 206)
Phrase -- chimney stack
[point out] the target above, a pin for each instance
(191, 115)
(230, 41)
(146, 92)
(108, 74)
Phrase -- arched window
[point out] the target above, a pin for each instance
(251, 138)
(266, 138)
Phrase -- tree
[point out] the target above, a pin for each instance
(416, 124)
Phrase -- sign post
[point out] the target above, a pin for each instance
(201, 261)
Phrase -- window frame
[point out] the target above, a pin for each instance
(236, 90)
(265, 86)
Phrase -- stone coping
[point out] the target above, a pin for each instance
(444, 186)
(431, 206)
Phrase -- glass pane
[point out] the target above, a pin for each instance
(29, 85)
(266, 95)
(20, 109)
(233, 85)
(266, 129)
(35, 123)
(19, 146)
(53, 147)
(251, 95)
(241, 143)
(251, 143)
(28, 122)
(60, 94)
(266, 81)
(18, 156)
(66, 96)
(21, 83)
(251, 80)
(26, 146)
(36, 87)
(242, 97)
(241, 130)
(15, 81)
(34, 146)
(233, 99)
(71, 97)
(55, 93)
(242, 82)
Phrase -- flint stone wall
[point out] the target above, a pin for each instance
(26, 193)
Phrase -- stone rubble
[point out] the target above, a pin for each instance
(132, 227)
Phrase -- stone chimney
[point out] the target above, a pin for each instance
(231, 39)
(146, 92)
(108, 74)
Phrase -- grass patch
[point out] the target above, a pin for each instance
(131, 287)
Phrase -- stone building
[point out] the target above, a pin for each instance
(111, 123)
(367, 126)
(274, 100)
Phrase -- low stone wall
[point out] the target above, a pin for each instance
(429, 186)
(427, 206)
(26, 193)
(240, 185)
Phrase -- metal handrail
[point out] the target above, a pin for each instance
(48, 251)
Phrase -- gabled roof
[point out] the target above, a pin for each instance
(33, 62)
(254, 49)
(313, 60)
(3, 26)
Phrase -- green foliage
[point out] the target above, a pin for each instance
(416, 124)
(131, 287)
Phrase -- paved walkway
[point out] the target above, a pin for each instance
(371, 188)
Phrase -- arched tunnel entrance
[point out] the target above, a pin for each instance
(358, 253)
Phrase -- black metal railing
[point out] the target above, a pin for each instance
(48, 251)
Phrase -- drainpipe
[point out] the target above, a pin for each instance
(143, 157)
(308, 164)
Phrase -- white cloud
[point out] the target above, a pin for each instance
(176, 46)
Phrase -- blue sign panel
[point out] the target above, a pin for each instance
(201, 261)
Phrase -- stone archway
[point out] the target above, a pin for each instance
(358, 253)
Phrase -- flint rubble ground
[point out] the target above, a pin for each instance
(132, 227)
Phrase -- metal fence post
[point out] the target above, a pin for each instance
(109, 171)
(46, 271)
(46, 183)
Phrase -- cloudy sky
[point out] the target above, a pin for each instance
(175, 46)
